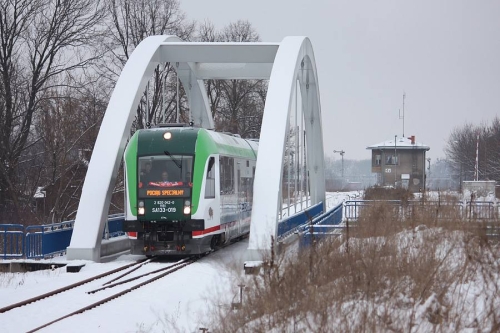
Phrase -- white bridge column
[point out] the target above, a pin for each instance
(108, 151)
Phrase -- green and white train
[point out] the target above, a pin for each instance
(188, 190)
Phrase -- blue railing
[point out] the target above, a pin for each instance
(288, 226)
(42, 241)
(322, 226)
(114, 228)
(48, 240)
(11, 240)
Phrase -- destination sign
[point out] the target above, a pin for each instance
(178, 192)
(157, 193)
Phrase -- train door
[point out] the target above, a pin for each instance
(240, 202)
(229, 195)
(211, 198)
(245, 184)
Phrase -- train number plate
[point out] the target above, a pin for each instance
(164, 209)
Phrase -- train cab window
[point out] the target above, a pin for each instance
(165, 171)
(210, 180)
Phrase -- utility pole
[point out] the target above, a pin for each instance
(395, 163)
(402, 116)
(476, 167)
(429, 171)
(341, 152)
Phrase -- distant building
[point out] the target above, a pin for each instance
(400, 162)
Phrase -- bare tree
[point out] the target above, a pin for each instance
(462, 147)
(242, 110)
(131, 22)
(491, 150)
(40, 40)
(237, 105)
(208, 33)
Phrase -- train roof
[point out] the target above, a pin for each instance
(223, 143)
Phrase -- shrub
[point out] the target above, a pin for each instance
(389, 274)
(384, 193)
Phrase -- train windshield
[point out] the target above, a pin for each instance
(166, 170)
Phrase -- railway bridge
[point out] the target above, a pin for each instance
(289, 176)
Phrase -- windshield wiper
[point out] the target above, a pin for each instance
(179, 165)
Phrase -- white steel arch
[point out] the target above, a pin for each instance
(284, 63)
(294, 64)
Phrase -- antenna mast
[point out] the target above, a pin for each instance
(402, 116)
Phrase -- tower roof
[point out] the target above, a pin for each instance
(401, 143)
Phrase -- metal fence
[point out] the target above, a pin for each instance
(471, 210)
(482, 210)
(353, 208)
(48, 240)
(43, 241)
(11, 240)
(114, 227)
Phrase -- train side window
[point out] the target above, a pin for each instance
(210, 180)
(226, 166)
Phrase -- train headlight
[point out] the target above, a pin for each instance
(141, 210)
(167, 135)
(187, 207)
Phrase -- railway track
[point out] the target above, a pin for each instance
(160, 273)
(98, 292)
(61, 304)
(71, 286)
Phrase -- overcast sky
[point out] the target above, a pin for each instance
(444, 54)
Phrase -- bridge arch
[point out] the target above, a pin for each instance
(289, 65)
(294, 65)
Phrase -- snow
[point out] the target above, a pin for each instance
(39, 193)
(400, 143)
(179, 302)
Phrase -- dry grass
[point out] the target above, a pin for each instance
(382, 193)
(392, 273)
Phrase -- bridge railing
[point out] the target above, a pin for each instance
(11, 241)
(290, 225)
(114, 227)
(43, 241)
(322, 226)
(48, 240)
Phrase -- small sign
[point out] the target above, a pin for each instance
(388, 170)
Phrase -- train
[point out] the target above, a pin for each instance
(188, 190)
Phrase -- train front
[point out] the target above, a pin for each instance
(162, 184)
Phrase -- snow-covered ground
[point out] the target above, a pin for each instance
(177, 300)
(180, 300)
